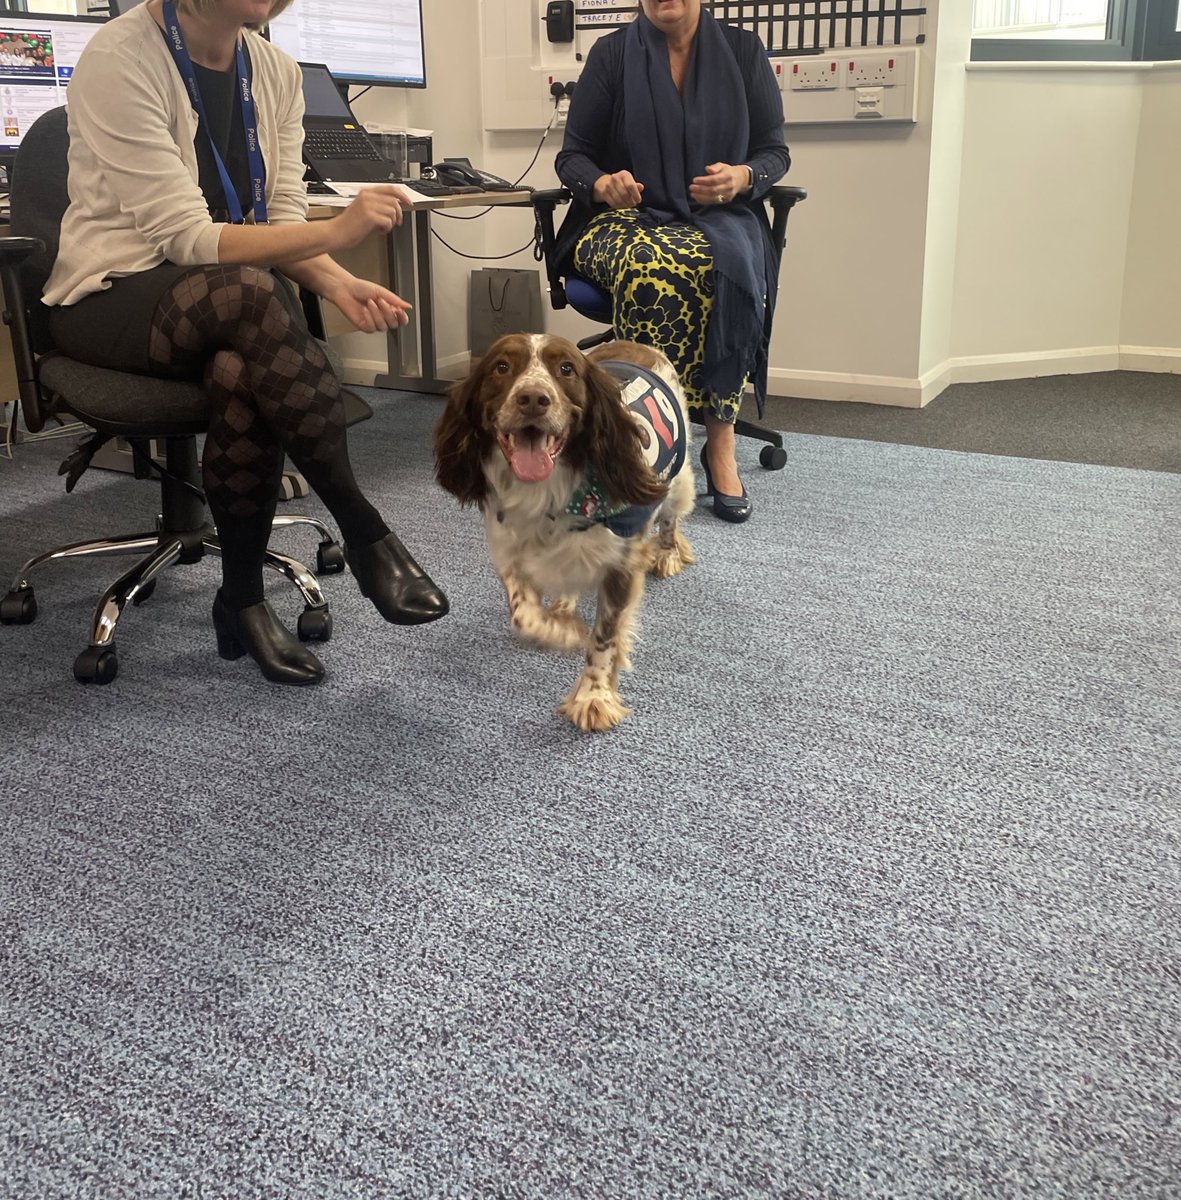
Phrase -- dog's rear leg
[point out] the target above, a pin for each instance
(670, 550)
(561, 630)
(593, 702)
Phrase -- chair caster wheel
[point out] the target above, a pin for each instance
(19, 607)
(315, 625)
(145, 593)
(329, 558)
(96, 664)
(774, 458)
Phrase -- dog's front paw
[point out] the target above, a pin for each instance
(557, 630)
(570, 629)
(594, 708)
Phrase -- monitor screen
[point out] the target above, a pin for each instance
(37, 57)
(360, 41)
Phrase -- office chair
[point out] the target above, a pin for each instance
(590, 301)
(145, 411)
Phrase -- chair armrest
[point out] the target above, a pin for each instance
(545, 201)
(13, 252)
(15, 249)
(782, 198)
(551, 196)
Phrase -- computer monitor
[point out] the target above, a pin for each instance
(38, 53)
(359, 41)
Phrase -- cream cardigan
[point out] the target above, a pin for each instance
(134, 197)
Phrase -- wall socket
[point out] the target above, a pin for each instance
(850, 87)
(877, 70)
(812, 75)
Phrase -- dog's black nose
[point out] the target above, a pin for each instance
(533, 401)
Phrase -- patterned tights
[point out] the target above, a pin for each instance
(272, 393)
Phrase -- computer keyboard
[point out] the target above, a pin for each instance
(338, 143)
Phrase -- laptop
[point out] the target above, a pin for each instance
(336, 147)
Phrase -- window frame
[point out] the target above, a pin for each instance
(1137, 30)
(1162, 38)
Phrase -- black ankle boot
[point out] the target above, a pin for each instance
(400, 589)
(255, 630)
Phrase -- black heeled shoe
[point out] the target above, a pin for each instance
(255, 630)
(398, 587)
(734, 509)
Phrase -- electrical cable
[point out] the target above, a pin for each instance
(485, 257)
(484, 212)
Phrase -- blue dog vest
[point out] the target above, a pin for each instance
(663, 436)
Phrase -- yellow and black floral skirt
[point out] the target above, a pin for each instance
(661, 282)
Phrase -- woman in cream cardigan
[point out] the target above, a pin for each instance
(186, 188)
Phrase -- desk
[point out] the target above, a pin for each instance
(410, 351)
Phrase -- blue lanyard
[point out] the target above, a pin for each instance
(258, 171)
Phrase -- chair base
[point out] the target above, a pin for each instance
(98, 662)
(772, 456)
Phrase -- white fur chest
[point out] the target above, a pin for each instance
(530, 533)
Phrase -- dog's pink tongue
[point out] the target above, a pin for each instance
(530, 460)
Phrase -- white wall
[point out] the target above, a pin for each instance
(1150, 323)
(1046, 195)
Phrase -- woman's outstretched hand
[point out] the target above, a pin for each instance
(720, 184)
(619, 190)
(369, 306)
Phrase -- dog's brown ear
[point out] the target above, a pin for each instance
(462, 442)
(614, 444)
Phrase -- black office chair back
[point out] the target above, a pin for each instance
(39, 199)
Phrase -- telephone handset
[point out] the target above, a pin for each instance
(460, 171)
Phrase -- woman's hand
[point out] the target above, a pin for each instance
(376, 209)
(720, 184)
(618, 191)
(370, 307)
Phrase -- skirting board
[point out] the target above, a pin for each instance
(1165, 360)
(895, 391)
(918, 392)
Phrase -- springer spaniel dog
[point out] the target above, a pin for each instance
(580, 464)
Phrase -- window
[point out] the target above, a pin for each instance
(1065, 30)
(1074, 19)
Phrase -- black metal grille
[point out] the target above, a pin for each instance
(789, 27)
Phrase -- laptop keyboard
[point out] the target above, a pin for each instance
(327, 144)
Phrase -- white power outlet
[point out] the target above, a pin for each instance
(878, 70)
(846, 87)
(814, 75)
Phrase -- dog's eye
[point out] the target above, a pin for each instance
(567, 368)
(501, 368)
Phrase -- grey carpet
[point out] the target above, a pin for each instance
(877, 894)
(1111, 418)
